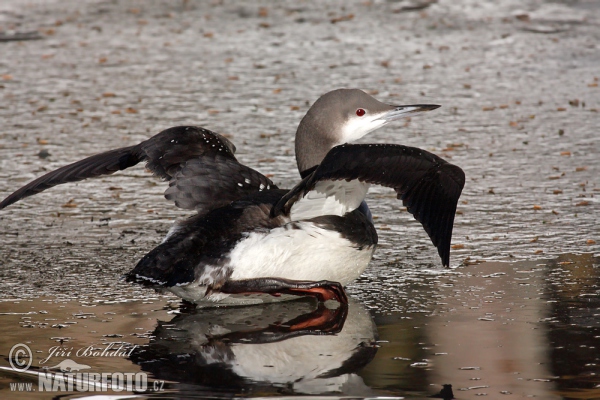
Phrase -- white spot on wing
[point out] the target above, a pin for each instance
(146, 278)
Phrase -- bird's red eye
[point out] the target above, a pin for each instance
(360, 112)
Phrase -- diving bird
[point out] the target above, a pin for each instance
(248, 237)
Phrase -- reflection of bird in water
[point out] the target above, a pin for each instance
(251, 237)
(282, 346)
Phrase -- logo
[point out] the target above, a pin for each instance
(20, 357)
(67, 375)
(109, 350)
(69, 366)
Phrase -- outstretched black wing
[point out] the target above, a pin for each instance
(97, 165)
(202, 171)
(428, 185)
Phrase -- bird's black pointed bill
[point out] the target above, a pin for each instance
(407, 111)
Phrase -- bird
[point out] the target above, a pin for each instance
(288, 344)
(250, 241)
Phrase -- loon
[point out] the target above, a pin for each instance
(249, 238)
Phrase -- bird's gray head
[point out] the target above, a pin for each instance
(343, 116)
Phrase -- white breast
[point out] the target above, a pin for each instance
(299, 251)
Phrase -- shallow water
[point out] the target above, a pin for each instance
(524, 329)
(518, 85)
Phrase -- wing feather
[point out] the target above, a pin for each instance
(100, 164)
(207, 183)
(200, 166)
(427, 185)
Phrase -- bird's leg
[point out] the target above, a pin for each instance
(321, 290)
(322, 321)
